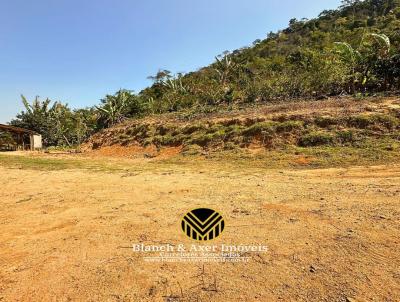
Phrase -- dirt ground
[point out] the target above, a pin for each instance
(332, 234)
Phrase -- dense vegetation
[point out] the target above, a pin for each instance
(352, 50)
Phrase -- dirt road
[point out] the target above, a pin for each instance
(332, 235)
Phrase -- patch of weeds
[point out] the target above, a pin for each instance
(230, 146)
(131, 131)
(147, 142)
(232, 122)
(233, 130)
(162, 140)
(365, 121)
(214, 128)
(125, 142)
(139, 131)
(124, 136)
(192, 150)
(325, 121)
(395, 135)
(388, 121)
(260, 128)
(163, 129)
(203, 138)
(179, 139)
(316, 139)
(193, 128)
(289, 126)
(360, 121)
(346, 136)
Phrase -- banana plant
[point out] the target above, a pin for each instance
(224, 66)
(383, 41)
(175, 84)
(37, 106)
(60, 115)
(360, 60)
(347, 53)
(113, 107)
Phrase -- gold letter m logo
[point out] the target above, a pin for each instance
(203, 224)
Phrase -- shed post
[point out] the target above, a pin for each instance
(31, 142)
(18, 140)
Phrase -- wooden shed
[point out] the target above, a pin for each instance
(22, 139)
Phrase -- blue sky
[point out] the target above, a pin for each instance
(76, 51)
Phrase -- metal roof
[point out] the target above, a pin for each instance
(16, 129)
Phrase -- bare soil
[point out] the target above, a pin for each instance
(332, 234)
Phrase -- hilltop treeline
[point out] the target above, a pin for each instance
(352, 50)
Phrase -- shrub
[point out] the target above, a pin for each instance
(169, 140)
(193, 128)
(137, 128)
(215, 128)
(365, 121)
(260, 128)
(163, 129)
(360, 121)
(123, 136)
(289, 126)
(203, 139)
(325, 121)
(316, 139)
(147, 142)
(346, 136)
(388, 121)
(234, 130)
(160, 140)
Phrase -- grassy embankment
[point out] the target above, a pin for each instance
(333, 133)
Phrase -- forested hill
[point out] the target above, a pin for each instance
(303, 60)
(352, 50)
